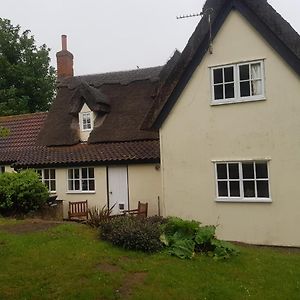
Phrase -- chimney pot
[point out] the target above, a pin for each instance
(64, 42)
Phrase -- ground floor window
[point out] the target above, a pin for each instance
(81, 180)
(48, 177)
(2, 169)
(248, 180)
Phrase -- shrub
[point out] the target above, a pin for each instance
(98, 215)
(183, 238)
(21, 192)
(133, 233)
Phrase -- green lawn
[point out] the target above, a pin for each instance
(69, 262)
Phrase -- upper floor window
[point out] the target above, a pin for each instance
(86, 121)
(238, 82)
(48, 178)
(243, 181)
(81, 180)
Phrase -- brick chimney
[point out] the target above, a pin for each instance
(64, 60)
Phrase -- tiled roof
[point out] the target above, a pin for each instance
(89, 154)
(23, 130)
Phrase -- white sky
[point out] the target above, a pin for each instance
(110, 35)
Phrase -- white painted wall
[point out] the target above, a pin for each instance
(195, 133)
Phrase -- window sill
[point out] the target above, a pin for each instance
(235, 101)
(81, 192)
(244, 200)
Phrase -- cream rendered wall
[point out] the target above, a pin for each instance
(195, 133)
(144, 182)
(97, 198)
(9, 169)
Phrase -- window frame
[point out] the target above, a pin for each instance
(236, 76)
(81, 178)
(241, 179)
(82, 118)
(44, 180)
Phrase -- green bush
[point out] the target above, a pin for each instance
(183, 238)
(133, 233)
(21, 192)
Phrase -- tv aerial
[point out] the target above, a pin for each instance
(207, 12)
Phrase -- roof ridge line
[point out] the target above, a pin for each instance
(120, 71)
(24, 115)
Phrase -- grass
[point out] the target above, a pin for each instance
(69, 262)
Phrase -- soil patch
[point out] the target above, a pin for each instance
(108, 268)
(131, 281)
(29, 226)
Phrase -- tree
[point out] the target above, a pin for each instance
(27, 81)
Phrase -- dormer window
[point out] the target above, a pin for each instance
(87, 121)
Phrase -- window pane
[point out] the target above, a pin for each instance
(52, 185)
(229, 90)
(222, 189)
(248, 170)
(76, 173)
(47, 184)
(256, 71)
(76, 185)
(228, 72)
(262, 189)
(52, 173)
(39, 172)
(218, 75)
(234, 188)
(70, 185)
(46, 174)
(245, 89)
(84, 185)
(91, 172)
(84, 172)
(219, 92)
(233, 171)
(261, 170)
(222, 171)
(249, 189)
(244, 72)
(70, 173)
(256, 87)
(91, 185)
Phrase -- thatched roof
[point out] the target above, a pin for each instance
(123, 98)
(277, 32)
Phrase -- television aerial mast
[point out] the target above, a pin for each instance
(207, 12)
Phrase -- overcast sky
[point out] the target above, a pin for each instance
(110, 35)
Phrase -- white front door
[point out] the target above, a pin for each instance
(117, 188)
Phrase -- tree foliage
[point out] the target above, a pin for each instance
(27, 81)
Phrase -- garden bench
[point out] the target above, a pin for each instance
(141, 211)
(78, 210)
